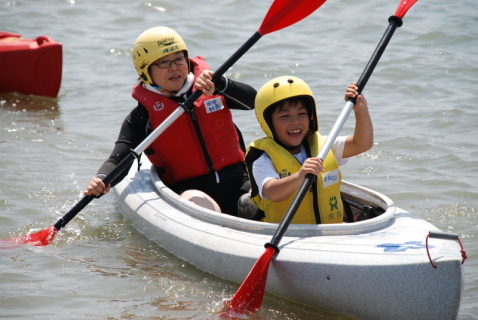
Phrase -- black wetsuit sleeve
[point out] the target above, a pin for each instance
(239, 95)
(132, 133)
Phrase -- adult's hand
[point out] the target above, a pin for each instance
(205, 84)
(96, 187)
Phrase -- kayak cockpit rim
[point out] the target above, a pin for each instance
(354, 192)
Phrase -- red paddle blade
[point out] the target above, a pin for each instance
(41, 238)
(284, 13)
(248, 297)
(403, 7)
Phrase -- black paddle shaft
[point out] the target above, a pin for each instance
(394, 23)
(123, 165)
(188, 104)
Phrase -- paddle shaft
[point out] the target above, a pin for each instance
(394, 22)
(251, 292)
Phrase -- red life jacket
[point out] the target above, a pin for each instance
(178, 154)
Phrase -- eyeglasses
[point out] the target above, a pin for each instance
(167, 63)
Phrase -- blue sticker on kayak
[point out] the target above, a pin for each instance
(402, 247)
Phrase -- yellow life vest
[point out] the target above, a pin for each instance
(327, 184)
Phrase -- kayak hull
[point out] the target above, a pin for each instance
(373, 269)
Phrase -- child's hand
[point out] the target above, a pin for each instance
(311, 165)
(360, 104)
(352, 92)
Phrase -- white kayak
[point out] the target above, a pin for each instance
(380, 268)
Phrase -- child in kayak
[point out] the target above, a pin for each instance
(278, 163)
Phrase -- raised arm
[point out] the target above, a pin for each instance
(362, 139)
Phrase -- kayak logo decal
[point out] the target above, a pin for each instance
(402, 247)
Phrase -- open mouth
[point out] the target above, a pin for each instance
(294, 133)
(175, 78)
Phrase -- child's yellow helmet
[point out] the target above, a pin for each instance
(277, 90)
(153, 44)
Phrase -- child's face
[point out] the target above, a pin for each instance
(291, 124)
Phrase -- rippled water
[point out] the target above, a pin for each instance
(422, 98)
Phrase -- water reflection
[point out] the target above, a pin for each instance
(27, 117)
(40, 106)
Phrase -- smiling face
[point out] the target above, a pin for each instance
(171, 78)
(291, 124)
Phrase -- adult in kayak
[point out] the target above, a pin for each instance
(199, 156)
(278, 163)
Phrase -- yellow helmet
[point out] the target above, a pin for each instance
(153, 44)
(277, 90)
